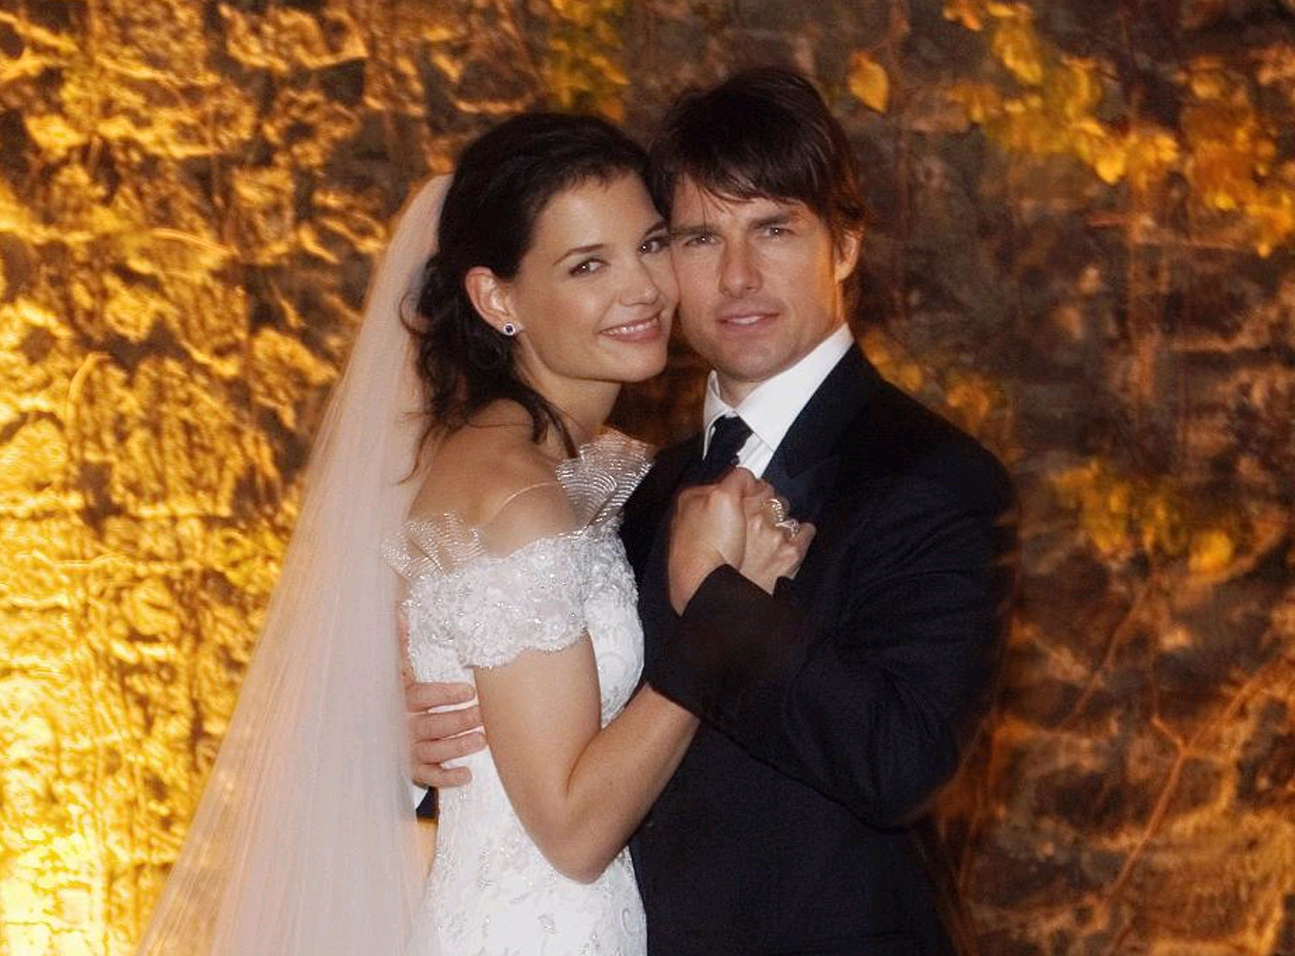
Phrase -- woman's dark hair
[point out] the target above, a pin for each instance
(502, 182)
(762, 133)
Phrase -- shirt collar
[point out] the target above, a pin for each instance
(774, 404)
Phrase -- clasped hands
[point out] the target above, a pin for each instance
(739, 521)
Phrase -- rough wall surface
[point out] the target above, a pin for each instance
(1081, 252)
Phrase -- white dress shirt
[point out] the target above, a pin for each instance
(773, 405)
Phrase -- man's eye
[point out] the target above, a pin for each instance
(699, 239)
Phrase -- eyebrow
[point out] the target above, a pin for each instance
(658, 226)
(777, 219)
(580, 251)
(697, 230)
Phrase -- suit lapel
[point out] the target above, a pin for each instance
(645, 534)
(805, 464)
(674, 464)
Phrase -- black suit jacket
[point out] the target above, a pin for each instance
(834, 709)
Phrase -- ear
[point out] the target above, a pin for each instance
(846, 253)
(491, 296)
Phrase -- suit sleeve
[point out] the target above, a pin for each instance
(866, 684)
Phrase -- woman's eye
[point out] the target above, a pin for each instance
(586, 267)
(654, 244)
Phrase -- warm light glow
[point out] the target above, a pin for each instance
(152, 427)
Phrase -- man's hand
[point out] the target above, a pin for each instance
(775, 545)
(444, 723)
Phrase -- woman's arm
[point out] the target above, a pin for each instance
(578, 790)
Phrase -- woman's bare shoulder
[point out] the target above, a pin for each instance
(487, 472)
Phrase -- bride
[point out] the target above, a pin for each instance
(465, 447)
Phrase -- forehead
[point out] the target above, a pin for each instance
(593, 206)
(692, 205)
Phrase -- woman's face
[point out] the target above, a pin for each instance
(595, 294)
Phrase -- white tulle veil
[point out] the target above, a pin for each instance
(304, 843)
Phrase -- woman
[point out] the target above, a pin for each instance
(497, 501)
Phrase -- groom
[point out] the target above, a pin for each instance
(835, 709)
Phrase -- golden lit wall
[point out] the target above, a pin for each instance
(191, 193)
(1082, 252)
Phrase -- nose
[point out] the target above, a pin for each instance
(640, 287)
(738, 273)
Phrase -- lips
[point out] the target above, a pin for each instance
(746, 319)
(638, 330)
(746, 311)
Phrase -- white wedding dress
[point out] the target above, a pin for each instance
(491, 892)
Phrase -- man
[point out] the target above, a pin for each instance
(834, 709)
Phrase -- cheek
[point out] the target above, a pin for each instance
(547, 319)
(692, 284)
(692, 323)
(663, 277)
(692, 307)
(573, 309)
(690, 269)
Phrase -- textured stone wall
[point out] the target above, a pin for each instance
(1081, 251)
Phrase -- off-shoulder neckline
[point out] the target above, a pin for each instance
(611, 460)
(597, 480)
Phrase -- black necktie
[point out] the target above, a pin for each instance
(727, 437)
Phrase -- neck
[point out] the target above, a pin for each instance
(584, 420)
(733, 391)
(583, 411)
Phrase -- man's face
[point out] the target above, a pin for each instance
(759, 283)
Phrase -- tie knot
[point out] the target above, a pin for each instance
(727, 437)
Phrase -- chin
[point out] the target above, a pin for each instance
(643, 372)
(752, 365)
(648, 363)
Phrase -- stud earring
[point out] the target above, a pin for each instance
(509, 329)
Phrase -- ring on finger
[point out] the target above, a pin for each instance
(778, 508)
(788, 526)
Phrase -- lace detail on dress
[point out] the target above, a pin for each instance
(427, 545)
(491, 892)
(491, 609)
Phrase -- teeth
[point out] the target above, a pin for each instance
(633, 329)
